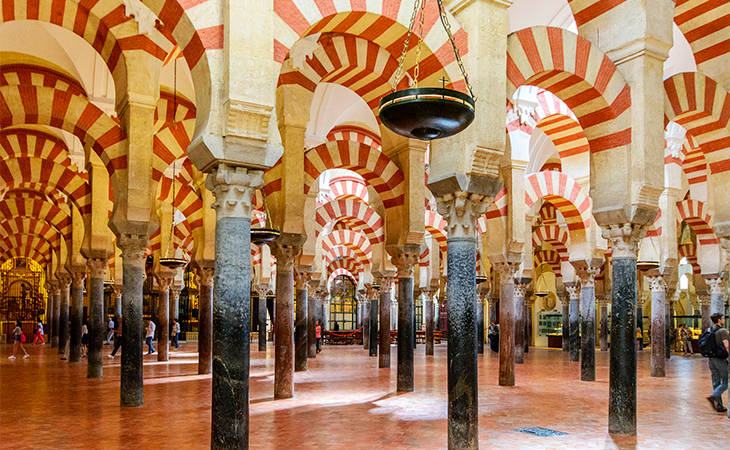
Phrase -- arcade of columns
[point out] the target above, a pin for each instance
(599, 159)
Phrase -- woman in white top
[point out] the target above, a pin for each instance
(39, 334)
(18, 332)
(84, 339)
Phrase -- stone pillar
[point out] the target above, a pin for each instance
(373, 326)
(622, 379)
(529, 308)
(520, 291)
(63, 315)
(49, 313)
(670, 320)
(404, 262)
(603, 302)
(97, 325)
(234, 190)
(365, 322)
(428, 312)
(205, 319)
(493, 305)
(717, 297)
(480, 325)
(117, 302)
(640, 315)
(284, 321)
(133, 267)
(312, 296)
(262, 291)
(175, 303)
(301, 335)
(587, 276)
(706, 308)
(386, 283)
(56, 312)
(77, 314)
(658, 325)
(574, 323)
(507, 323)
(164, 280)
(564, 302)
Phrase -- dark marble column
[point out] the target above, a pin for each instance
(428, 312)
(117, 302)
(373, 327)
(658, 326)
(284, 321)
(77, 313)
(604, 324)
(564, 301)
(529, 307)
(640, 317)
(705, 308)
(164, 280)
(234, 190)
(519, 300)
(480, 325)
(63, 316)
(493, 305)
(311, 320)
(97, 325)
(261, 308)
(301, 344)
(670, 323)
(205, 319)
(365, 322)
(386, 284)
(48, 328)
(574, 321)
(587, 276)
(405, 262)
(622, 378)
(175, 302)
(133, 267)
(507, 323)
(56, 312)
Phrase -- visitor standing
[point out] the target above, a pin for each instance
(110, 330)
(639, 339)
(686, 335)
(175, 333)
(19, 339)
(39, 334)
(494, 337)
(117, 337)
(150, 334)
(717, 355)
(318, 336)
(85, 340)
(336, 327)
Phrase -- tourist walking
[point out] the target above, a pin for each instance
(39, 334)
(110, 330)
(716, 349)
(493, 337)
(318, 336)
(639, 339)
(85, 340)
(175, 332)
(686, 336)
(150, 334)
(19, 339)
(117, 337)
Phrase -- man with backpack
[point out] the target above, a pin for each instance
(715, 345)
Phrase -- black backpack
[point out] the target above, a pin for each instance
(709, 346)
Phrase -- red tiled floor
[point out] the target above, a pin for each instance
(345, 402)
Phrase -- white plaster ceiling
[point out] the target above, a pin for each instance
(334, 105)
(530, 13)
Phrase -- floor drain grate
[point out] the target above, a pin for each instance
(542, 432)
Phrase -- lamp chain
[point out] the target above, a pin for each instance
(447, 27)
(402, 59)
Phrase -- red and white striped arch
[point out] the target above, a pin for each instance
(354, 133)
(170, 144)
(689, 251)
(187, 200)
(24, 105)
(436, 227)
(550, 257)
(26, 245)
(16, 142)
(339, 252)
(497, 210)
(171, 109)
(349, 187)
(580, 74)
(353, 240)
(28, 74)
(698, 217)
(585, 11)
(351, 265)
(655, 229)
(356, 213)
(15, 173)
(258, 219)
(563, 192)
(704, 25)
(555, 236)
(695, 168)
(556, 120)
(339, 272)
(385, 23)
(37, 209)
(32, 227)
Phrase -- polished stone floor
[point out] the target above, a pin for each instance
(345, 402)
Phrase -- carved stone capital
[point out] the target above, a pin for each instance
(77, 278)
(97, 267)
(492, 301)
(302, 280)
(715, 284)
(624, 239)
(175, 293)
(520, 290)
(133, 249)
(587, 275)
(385, 282)
(640, 300)
(164, 281)
(573, 291)
(705, 299)
(507, 271)
(284, 255)
(461, 210)
(234, 189)
(118, 289)
(405, 262)
(656, 283)
(205, 276)
(602, 300)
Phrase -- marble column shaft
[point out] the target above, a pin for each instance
(480, 326)
(373, 328)
(717, 296)
(56, 315)
(366, 325)
(658, 326)
(234, 190)
(519, 301)
(566, 323)
(63, 315)
(384, 334)
(50, 308)
(405, 323)
(77, 315)
(528, 324)
(428, 310)
(705, 308)
(163, 316)
(604, 327)
(668, 330)
(507, 325)
(133, 267)
(205, 319)
(284, 323)
(574, 322)
(311, 325)
(301, 335)
(97, 325)
(588, 330)
(118, 303)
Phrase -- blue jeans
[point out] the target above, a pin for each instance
(174, 341)
(719, 371)
(149, 344)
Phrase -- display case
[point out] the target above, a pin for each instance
(549, 329)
